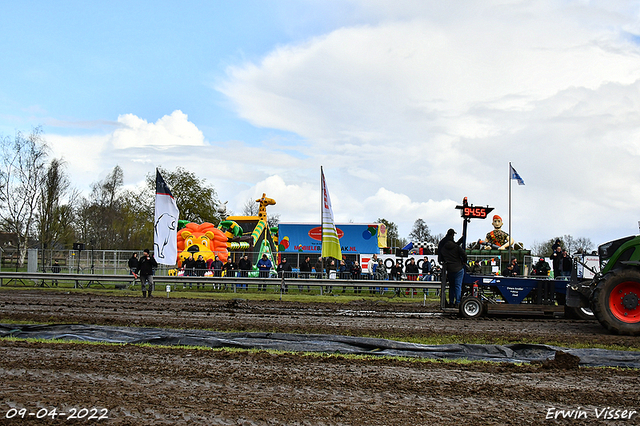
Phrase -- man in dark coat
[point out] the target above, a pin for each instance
(284, 268)
(145, 268)
(231, 268)
(217, 266)
(453, 258)
(133, 263)
(319, 268)
(556, 260)
(245, 266)
(567, 264)
(189, 268)
(305, 269)
(200, 266)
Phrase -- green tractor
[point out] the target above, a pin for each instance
(613, 293)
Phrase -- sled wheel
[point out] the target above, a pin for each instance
(579, 313)
(471, 307)
(615, 302)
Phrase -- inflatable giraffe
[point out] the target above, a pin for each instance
(264, 202)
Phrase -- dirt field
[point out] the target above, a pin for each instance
(146, 385)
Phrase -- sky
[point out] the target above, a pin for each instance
(408, 105)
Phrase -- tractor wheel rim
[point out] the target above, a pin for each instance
(623, 302)
(471, 308)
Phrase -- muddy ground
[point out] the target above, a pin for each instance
(145, 385)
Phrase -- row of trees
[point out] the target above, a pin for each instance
(40, 208)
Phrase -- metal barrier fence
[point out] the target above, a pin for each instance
(235, 284)
(112, 261)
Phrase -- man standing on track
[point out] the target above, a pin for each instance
(453, 258)
(145, 268)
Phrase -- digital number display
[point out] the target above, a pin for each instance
(469, 211)
(475, 212)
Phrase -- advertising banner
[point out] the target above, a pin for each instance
(307, 237)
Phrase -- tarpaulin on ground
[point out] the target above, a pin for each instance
(318, 343)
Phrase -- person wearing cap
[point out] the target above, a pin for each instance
(453, 258)
(541, 268)
(144, 270)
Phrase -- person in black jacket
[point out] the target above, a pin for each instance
(556, 261)
(145, 268)
(284, 270)
(55, 268)
(230, 267)
(396, 271)
(412, 274)
(217, 266)
(396, 274)
(305, 271)
(189, 269)
(567, 264)
(133, 263)
(200, 267)
(245, 266)
(453, 258)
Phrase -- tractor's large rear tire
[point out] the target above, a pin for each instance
(615, 302)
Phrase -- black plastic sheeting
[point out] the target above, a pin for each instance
(524, 353)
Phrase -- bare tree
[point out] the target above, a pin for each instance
(250, 208)
(56, 209)
(584, 245)
(21, 178)
(273, 220)
(100, 216)
(569, 243)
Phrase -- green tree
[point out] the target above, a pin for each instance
(138, 211)
(421, 232)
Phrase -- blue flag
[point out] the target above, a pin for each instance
(516, 176)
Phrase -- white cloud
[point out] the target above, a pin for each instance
(168, 131)
(430, 101)
(133, 145)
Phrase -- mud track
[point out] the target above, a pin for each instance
(146, 385)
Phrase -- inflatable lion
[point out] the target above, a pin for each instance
(204, 239)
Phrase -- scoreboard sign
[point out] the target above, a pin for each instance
(469, 211)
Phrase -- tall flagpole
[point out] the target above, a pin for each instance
(321, 221)
(509, 237)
